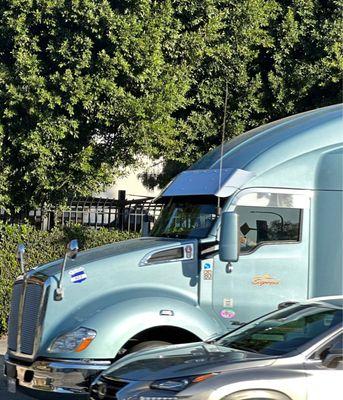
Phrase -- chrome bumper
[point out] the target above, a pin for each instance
(55, 376)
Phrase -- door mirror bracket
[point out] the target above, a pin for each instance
(71, 252)
(229, 268)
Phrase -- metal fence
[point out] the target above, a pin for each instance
(121, 213)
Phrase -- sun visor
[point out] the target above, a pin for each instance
(206, 182)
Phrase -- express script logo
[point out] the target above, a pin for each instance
(264, 280)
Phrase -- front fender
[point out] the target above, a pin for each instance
(261, 394)
(118, 323)
(260, 381)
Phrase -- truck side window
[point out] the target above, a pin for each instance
(267, 225)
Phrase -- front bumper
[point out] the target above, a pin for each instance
(54, 376)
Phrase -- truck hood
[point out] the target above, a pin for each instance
(183, 360)
(83, 258)
(101, 280)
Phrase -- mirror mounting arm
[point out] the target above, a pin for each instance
(72, 249)
(59, 293)
(20, 257)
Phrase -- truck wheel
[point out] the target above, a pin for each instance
(149, 344)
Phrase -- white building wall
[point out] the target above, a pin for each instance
(132, 184)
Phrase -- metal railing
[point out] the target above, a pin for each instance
(121, 213)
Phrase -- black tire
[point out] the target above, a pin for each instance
(149, 344)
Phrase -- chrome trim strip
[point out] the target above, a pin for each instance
(20, 313)
(79, 365)
(18, 281)
(41, 316)
(145, 261)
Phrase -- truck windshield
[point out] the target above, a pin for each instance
(186, 218)
(285, 330)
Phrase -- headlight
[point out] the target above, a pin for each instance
(178, 384)
(74, 341)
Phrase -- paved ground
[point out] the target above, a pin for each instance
(4, 395)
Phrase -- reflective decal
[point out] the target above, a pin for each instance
(77, 275)
(228, 303)
(264, 280)
(207, 275)
(227, 314)
(207, 266)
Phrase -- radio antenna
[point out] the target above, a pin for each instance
(222, 144)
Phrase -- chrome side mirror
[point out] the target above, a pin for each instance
(229, 245)
(20, 256)
(72, 249)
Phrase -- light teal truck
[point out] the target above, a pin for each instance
(255, 223)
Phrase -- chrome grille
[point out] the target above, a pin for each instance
(32, 301)
(26, 306)
(14, 316)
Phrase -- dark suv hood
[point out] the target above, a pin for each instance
(182, 360)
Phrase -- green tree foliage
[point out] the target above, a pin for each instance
(87, 85)
(303, 70)
(278, 58)
(84, 87)
(3, 174)
(230, 36)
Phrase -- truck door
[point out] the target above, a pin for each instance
(274, 261)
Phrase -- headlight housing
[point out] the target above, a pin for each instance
(74, 341)
(179, 384)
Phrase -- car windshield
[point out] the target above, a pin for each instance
(285, 330)
(186, 218)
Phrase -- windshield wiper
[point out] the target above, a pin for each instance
(244, 348)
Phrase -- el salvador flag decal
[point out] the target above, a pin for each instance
(77, 275)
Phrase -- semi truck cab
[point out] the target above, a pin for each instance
(249, 226)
